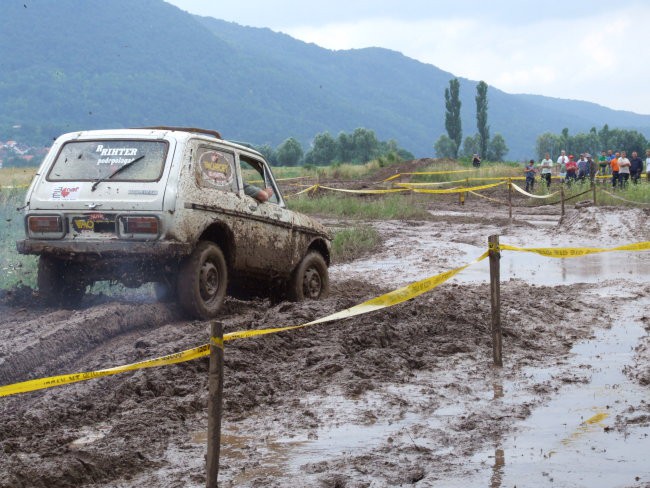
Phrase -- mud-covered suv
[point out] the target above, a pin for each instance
(167, 205)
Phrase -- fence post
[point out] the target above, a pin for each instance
(495, 298)
(510, 198)
(593, 190)
(562, 197)
(215, 401)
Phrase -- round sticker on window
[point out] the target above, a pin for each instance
(216, 168)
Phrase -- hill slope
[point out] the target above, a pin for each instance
(76, 64)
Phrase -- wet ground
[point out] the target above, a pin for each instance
(401, 397)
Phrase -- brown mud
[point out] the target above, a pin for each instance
(410, 389)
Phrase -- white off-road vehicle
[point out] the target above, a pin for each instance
(167, 205)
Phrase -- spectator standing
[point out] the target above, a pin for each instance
(613, 162)
(647, 164)
(582, 167)
(624, 169)
(636, 167)
(476, 161)
(529, 172)
(603, 164)
(547, 169)
(562, 160)
(591, 168)
(571, 169)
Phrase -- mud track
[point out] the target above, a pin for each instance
(423, 367)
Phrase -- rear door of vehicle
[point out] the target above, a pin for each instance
(91, 182)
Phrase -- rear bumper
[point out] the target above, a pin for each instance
(79, 249)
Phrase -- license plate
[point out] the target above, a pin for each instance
(96, 222)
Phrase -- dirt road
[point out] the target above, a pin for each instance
(400, 397)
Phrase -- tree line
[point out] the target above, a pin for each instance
(592, 142)
(360, 146)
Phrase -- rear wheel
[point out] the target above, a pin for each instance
(59, 282)
(202, 281)
(310, 279)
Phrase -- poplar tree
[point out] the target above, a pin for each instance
(452, 115)
(481, 117)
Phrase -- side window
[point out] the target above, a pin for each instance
(216, 169)
(254, 177)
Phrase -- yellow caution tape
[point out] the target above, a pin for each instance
(371, 192)
(524, 192)
(311, 188)
(387, 300)
(458, 190)
(574, 252)
(42, 383)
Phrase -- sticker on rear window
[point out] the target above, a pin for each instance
(65, 193)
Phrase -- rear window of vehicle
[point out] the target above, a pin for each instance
(127, 160)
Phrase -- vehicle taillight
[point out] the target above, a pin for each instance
(140, 225)
(47, 226)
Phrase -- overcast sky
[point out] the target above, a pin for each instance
(593, 50)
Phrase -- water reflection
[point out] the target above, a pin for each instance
(497, 469)
(540, 270)
(497, 388)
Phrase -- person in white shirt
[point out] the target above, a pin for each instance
(547, 169)
(647, 164)
(624, 169)
(562, 160)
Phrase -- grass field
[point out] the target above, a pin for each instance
(16, 176)
(381, 207)
(15, 269)
(349, 244)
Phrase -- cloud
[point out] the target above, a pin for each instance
(592, 57)
(589, 50)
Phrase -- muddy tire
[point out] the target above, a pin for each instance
(310, 279)
(59, 283)
(202, 281)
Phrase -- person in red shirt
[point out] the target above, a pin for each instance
(571, 169)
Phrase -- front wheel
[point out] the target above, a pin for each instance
(202, 281)
(310, 279)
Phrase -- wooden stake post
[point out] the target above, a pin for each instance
(593, 190)
(215, 402)
(510, 198)
(562, 196)
(495, 298)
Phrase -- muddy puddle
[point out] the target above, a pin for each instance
(391, 270)
(540, 270)
(572, 440)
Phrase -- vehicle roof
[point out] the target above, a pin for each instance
(157, 132)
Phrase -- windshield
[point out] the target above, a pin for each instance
(98, 160)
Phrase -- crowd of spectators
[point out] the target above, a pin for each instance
(610, 166)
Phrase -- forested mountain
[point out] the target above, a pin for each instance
(79, 64)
